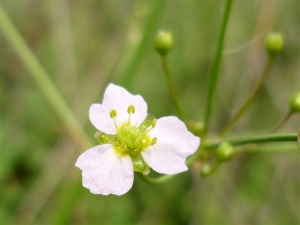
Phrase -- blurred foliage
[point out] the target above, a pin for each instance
(84, 45)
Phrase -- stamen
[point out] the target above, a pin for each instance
(109, 141)
(98, 134)
(113, 115)
(153, 124)
(154, 140)
(130, 110)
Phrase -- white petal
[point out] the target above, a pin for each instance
(174, 144)
(117, 98)
(100, 118)
(104, 171)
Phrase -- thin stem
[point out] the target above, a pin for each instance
(285, 119)
(157, 180)
(215, 69)
(171, 87)
(42, 78)
(137, 55)
(165, 178)
(237, 142)
(255, 139)
(249, 100)
(268, 149)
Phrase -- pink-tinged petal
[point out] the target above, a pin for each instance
(104, 171)
(117, 98)
(100, 118)
(174, 144)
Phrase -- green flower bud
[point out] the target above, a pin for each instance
(196, 128)
(295, 103)
(224, 152)
(205, 170)
(274, 44)
(163, 42)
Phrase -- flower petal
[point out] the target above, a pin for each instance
(100, 118)
(174, 144)
(117, 98)
(104, 171)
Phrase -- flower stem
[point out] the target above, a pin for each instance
(157, 180)
(237, 142)
(215, 69)
(42, 78)
(268, 149)
(141, 49)
(249, 100)
(171, 87)
(255, 139)
(287, 116)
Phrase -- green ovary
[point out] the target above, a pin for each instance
(130, 137)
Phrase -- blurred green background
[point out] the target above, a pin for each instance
(84, 45)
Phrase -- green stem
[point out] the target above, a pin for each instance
(285, 119)
(157, 180)
(255, 139)
(236, 142)
(165, 178)
(208, 170)
(249, 100)
(215, 69)
(171, 87)
(42, 78)
(148, 30)
(268, 149)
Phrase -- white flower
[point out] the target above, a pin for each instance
(131, 142)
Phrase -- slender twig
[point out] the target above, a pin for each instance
(285, 119)
(137, 56)
(249, 100)
(255, 139)
(171, 86)
(215, 69)
(157, 180)
(292, 137)
(268, 149)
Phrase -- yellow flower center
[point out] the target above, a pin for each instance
(130, 139)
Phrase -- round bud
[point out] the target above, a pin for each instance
(224, 152)
(163, 42)
(295, 103)
(205, 170)
(196, 128)
(274, 44)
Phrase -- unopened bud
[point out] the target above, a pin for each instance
(274, 44)
(295, 103)
(197, 128)
(224, 152)
(163, 42)
(205, 170)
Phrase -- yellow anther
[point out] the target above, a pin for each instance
(131, 109)
(153, 123)
(105, 139)
(154, 140)
(113, 113)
